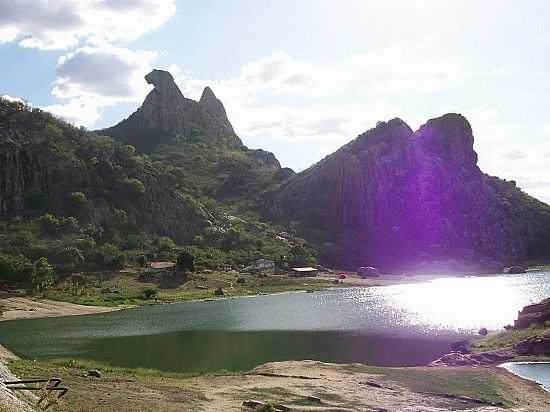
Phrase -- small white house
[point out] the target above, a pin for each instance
(262, 265)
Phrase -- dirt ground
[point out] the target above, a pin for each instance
(12, 308)
(300, 386)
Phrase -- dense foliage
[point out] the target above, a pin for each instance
(86, 202)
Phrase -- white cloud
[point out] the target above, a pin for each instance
(93, 77)
(515, 154)
(80, 111)
(61, 24)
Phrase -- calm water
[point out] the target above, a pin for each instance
(535, 371)
(391, 326)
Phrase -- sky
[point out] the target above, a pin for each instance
(299, 78)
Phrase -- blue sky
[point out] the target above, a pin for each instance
(299, 78)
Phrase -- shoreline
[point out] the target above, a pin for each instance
(19, 307)
(27, 307)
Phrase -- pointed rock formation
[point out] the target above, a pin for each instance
(166, 114)
(395, 199)
(214, 106)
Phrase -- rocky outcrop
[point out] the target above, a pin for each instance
(538, 313)
(398, 199)
(534, 346)
(475, 359)
(166, 113)
(214, 106)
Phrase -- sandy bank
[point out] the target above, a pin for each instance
(12, 308)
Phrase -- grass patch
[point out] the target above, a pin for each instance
(508, 338)
(98, 289)
(120, 389)
(478, 383)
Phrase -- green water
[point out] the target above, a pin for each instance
(400, 325)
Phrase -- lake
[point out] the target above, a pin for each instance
(534, 371)
(400, 325)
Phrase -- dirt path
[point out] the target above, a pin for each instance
(12, 308)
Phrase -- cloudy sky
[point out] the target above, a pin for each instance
(299, 78)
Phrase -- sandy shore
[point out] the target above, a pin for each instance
(13, 307)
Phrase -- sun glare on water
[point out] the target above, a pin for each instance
(462, 303)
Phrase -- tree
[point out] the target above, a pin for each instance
(43, 275)
(49, 224)
(71, 257)
(77, 203)
(185, 262)
(112, 256)
(300, 256)
(150, 293)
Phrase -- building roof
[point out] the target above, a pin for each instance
(162, 265)
(306, 269)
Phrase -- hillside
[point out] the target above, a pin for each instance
(197, 142)
(398, 199)
(85, 201)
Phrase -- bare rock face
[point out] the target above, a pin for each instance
(396, 199)
(214, 106)
(538, 313)
(166, 113)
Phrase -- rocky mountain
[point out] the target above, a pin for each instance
(198, 140)
(166, 113)
(395, 198)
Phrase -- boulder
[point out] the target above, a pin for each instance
(515, 269)
(539, 313)
(219, 292)
(94, 373)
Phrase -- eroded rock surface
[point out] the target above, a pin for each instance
(394, 198)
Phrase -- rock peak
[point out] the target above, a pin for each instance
(449, 136)
(163, 83)
(214, 106)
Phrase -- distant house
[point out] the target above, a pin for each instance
(306, 271)
(157, 268)
(263, 264)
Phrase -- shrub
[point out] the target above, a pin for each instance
(185, 261)
(112, 256)
(43, 275)
(149, 293)
(49, 224)
(134, 186)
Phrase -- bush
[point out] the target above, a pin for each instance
(49, 224)
(134, 186)
(69, 225)
(111, 256)
(21, 270)
(185, 262)
(43, 276)
(70, 257)
(150, 293)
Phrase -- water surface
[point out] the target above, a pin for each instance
(534, 371)
(401, 325)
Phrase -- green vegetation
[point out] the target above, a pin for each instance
(104, 207)
(508, 338)
(38, 275)
(113, 289)
(474, 383)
